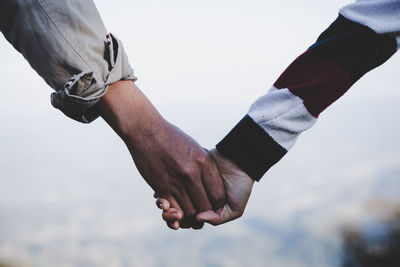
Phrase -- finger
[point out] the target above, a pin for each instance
(189, 220)
(185, 203)
(218, 217)
(210, 217)
(185, 207)
(197, 194)
(172, 215)
(173, 205)
(200, 203)
(197, 225)
(173, 225)
(183, 223)
(163, 204)
(213, 184)
(199, 198)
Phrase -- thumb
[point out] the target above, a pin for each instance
(222, 215)
(209, 216)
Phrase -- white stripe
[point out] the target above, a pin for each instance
(282, 115)
(382, 16)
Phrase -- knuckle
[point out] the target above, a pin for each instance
(202, 159)
(188, 172)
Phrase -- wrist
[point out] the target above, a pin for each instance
(226, 163)
(132, 116)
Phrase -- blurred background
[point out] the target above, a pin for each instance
(71, 196)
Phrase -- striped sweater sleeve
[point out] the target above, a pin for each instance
(364, 36)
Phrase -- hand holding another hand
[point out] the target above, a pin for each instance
(238, 186)
(172, 163)
(194, 186)
(180, 171)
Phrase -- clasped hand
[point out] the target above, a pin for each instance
(192, 185)
(237, 188)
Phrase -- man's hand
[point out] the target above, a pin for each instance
(172, 163)
(238, 186)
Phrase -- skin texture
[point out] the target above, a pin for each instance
(173, 164)
(238, 186)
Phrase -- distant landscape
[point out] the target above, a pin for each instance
(71, 196)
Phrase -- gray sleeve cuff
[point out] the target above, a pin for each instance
(81, 93)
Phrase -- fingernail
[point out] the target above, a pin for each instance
(161, 205)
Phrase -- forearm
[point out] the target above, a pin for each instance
(131, 115)
(341, 55)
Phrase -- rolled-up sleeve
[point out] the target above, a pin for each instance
(67, 44)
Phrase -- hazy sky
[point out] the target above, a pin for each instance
(202, 63)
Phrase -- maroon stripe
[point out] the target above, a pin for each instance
(318, 81)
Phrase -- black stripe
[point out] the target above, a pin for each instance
(251, 148)
(356, 48)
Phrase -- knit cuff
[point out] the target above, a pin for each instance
(251, 148)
